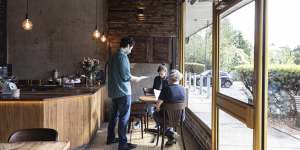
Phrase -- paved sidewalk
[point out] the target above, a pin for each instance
(234, 135)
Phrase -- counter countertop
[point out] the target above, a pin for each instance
(48, 94)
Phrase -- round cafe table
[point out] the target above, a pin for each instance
(148, 99)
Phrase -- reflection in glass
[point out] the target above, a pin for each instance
(198, 75)
(236, 53)
(198, 59)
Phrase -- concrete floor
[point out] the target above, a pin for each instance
(99, 141)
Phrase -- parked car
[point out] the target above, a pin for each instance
(226, 79)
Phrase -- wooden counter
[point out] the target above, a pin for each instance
(74, 113)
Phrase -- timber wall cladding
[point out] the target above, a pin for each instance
(153, 36)
(3, 50)
(201, 133)
(160, 18)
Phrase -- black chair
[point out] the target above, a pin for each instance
(148, 91)
(34, 134)
(173, 116)
(138, 111)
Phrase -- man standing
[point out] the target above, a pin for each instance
(119, 89)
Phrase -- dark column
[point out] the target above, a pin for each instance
(3, 42)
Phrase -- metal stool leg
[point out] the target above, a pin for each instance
(163, 131)
(142, 130)
(182, 137)
(158, 134)
(147, 118)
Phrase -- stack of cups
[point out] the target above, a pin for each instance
(16, 93)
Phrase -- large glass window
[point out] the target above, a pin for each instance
(236, 68)
(236, 52)
(284, 75)
(198, 59)
(234, 135)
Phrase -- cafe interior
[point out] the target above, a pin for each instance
(54, 64)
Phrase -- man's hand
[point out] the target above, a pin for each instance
(157, 109)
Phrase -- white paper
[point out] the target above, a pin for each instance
(156, 93)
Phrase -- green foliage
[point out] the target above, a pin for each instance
(286, 77)
(245, 73)
(231, 56)
(90, 65)
(194, 67)
(241, 43)
(198, 49)
(284, 84)
(296, 54)
(234, 49)
(280, 55)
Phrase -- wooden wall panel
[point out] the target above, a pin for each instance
(201, 133)
(140, 52)
(15, 115)
(160, 18)
(162, 50)
(104, 98)
(76, 118)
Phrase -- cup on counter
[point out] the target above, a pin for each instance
(16, 93)
(59, 80)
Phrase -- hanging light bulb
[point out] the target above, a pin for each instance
(96, 34)
(27, 24)
(103, 38)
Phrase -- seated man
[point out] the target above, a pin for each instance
(159, 83)
(174, 93)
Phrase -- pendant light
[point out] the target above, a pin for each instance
(140, 13)
(103, 38)
(96, 33)
(27, 24)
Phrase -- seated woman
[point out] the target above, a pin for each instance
(161, 81)
(174, 93)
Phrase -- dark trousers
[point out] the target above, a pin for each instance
(120, 109)
(159, 119)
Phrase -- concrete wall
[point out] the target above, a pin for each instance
(143, 69)
(60, 38)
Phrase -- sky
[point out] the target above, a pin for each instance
(283, 22)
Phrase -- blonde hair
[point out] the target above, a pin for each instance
(175, 75)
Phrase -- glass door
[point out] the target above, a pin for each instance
(237, 83)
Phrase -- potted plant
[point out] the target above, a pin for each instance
(90, 67)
